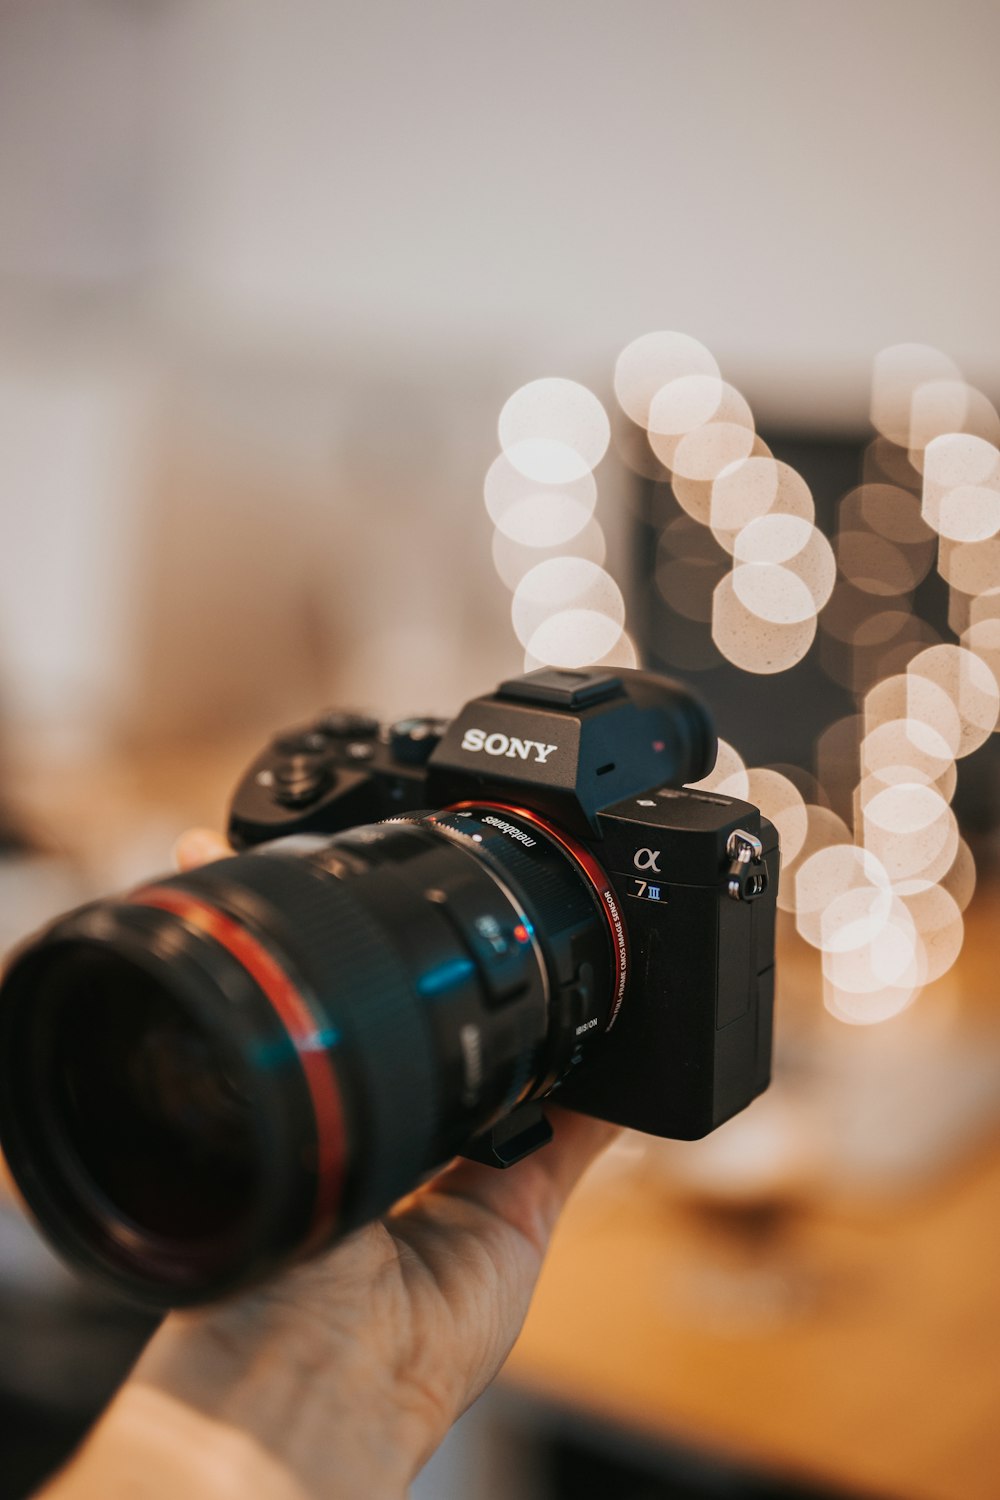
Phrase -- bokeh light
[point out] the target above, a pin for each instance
(960, 458)
(573, 638)
(779, 548)
(970, 567)
(554, 431)
(877, 566)
(911, 830)
(960, 880)
(781, 801)
(908, 750)
(622, 654)
(685, 403)
(548, 547)
(982, 639)
(881, 976)
(688, 567)
(884, 462)
(751, 489)
(936, 407)
(889, 510)
(920, 701)
(932, 486)
(630, 443)
(753, 643)
(694, 496)
(535, 514)
(773, 593)
(705, 451)
(969, 513)
(824, 830)
(970, 686)
(729, 774)
(653, 361)
(866, 1008)
(898, 373)
(985, 606)
(961, 488)
(940, 407)
(849, 617)
(843, 896)
(937, 918)
(567, 583)
(513, 559)
(874, 868)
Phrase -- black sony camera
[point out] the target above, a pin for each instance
(229, 1068)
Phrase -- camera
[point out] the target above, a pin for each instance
(231, 1068)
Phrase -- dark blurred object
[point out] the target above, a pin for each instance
(577, 1470)
(64, 1350)
(779, 718)
(13, 838)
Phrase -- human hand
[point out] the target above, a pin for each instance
(340, 1377)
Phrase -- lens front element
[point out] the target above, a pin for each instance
(238, 1065)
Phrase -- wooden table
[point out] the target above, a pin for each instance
(852, 1345)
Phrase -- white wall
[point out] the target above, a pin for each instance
(798, 184)
(410, 209)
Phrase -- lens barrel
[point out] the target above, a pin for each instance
(232, 1068)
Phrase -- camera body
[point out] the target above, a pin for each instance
(227, 1069)
(687, 878)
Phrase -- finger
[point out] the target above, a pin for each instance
(482, 1234)
(199, 846)
(531, 1195)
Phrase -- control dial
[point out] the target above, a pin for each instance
(413, 741)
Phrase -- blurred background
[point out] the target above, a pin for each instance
(268, 278)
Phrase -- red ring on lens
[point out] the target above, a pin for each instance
(301, 1025)
(594, 875)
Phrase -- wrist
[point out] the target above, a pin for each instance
(151, 1446)
(254, 1397)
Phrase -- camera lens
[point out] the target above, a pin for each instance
(139, 1093)
(234, 1067)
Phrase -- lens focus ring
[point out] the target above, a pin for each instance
(342, 955)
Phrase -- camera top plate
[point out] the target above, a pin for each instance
(574, 742)
(567, 743)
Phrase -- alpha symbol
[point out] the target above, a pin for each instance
(645, 859)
